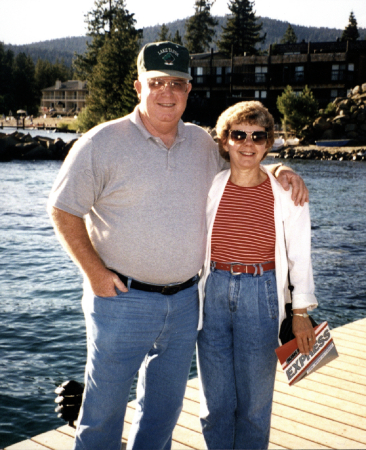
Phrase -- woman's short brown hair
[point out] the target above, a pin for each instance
(253, 113)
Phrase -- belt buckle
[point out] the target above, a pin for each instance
(170, 290)
(231, 268)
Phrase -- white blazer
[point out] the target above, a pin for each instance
(292, 248)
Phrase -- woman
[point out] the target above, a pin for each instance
(256, 238)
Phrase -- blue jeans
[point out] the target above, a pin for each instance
(237, 360)
(151, 333)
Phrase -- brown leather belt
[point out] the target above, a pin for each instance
(237, 268)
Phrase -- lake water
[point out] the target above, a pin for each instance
(42, 336)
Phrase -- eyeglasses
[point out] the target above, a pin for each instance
(258, 137)
(159, 85)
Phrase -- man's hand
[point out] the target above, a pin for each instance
(285, 177)
(104, 283)
(74, 237)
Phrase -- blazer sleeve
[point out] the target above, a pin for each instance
(297, 229)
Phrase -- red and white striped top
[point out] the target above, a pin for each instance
(244, 227)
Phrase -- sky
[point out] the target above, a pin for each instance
(27, 21)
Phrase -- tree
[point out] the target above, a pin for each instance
(350, 33)
(177, 39)
(164, 34)
(25, 94)
(109, 65)
(47, 73)
(200, 28)
(242, 32)
(297, 110)
(289, 37)
(6, 80)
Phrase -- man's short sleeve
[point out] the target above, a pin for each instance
(77, 185)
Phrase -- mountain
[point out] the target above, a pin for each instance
(64, 49)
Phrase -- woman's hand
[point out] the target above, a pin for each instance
(303, 331)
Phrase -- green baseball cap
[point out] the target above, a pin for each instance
(163, 59)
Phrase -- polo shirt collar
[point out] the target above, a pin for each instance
(136, 120)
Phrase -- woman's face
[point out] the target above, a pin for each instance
(246, 153)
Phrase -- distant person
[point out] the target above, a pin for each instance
(141, 183)
(258, 240)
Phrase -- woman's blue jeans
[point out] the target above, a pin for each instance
(151, 333)
(237, 360)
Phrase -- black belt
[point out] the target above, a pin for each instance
(169, 289)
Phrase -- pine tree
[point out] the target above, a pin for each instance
(164, 34)
(200, 28)
(289, 37)
(7, 87)
(350, 33)
(242, 32)
(25, 94)
(109, 64)
(177, 39)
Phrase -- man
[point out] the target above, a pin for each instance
(141, 182)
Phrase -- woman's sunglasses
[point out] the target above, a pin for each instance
(258, 137)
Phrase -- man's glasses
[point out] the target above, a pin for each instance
(258, 137)
(159, 85)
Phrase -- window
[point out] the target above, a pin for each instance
(199, 77)
(261, 74)
(260, 94)
(218, 75)
(299, 73)
(333, 94)
(338, 72)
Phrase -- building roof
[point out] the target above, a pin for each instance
(71, 85)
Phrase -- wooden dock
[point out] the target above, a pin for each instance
(327, 410)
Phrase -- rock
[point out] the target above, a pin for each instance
(38, 153)
(7, 147)
(356, 90)
(22, 146)
(350, 127)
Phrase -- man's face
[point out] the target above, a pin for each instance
(162, 100)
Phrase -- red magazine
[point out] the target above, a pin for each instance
(296, 365)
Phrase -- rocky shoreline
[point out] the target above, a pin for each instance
(355, 153)
(21, 146)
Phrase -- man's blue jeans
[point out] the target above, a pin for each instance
(237, 360)
(151, 333)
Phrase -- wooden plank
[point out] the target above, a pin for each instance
(348, 335)
(320, 410)
(343, 375)
(355, 392)
(343, 364)
(29, 444)
(320, 398)
(320, 439)
(291, 441)
(192, 394)
(55, 440)
(353, 436)
(358, 327)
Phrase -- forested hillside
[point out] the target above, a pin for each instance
(64, 49)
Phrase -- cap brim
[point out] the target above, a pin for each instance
(165, 73)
